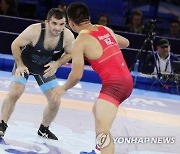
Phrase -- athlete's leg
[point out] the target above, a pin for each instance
(10, 100)
(16, 90)
(49, 114)
(51, 108)
(104, 113)
(48, 85)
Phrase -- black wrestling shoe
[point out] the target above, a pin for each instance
(45, 132)
(3, 127)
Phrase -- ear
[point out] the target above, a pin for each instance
(72, 23)
(46, 21)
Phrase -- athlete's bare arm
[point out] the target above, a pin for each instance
(77, 64)
(122, 41)
(77, 68)
(28, 36)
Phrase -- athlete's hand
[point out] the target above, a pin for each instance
(51, 69)
(20, 70)
(58, 92)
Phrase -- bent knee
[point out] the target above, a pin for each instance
(14, 94)
(54, 102)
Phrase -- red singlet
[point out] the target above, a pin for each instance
(117, 83)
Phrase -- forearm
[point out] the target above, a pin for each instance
(71, 81)
(16, 51)
(63, 60)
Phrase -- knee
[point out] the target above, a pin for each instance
(54, 102)
(102, 124)
(100, 119)
(14, 94)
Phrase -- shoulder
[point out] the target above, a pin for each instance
(32, 29)
(108, 29)
(173, 56)
(68, 32)
(34, 26)
(84, 38)
(31, 33)
(81, 41)
(68, 35)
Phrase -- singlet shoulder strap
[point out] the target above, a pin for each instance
(40, 43)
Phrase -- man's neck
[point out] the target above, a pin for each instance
(85, 26)
(164, 57)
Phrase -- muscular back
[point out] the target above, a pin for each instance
(102, 51)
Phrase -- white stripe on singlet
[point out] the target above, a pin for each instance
(109, 56)
(110, 46)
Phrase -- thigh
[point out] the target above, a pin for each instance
(21, 80)
(16, 88)
(105, 112)
(46, 84)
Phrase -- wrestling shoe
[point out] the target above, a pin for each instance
(45, 132)
(3, 127)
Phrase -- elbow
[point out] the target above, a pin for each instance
(127, 43)
(76, 77)
(13, 47)
(124, 43)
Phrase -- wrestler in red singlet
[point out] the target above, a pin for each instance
(117, 83)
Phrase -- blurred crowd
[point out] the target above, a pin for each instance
(134, 22)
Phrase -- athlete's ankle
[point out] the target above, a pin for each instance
(44, 126)
(2, 121)
(97, 150)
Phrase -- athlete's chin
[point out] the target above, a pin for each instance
(56, 33)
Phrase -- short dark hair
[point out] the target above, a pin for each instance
(137, 12)
(78, 12)
(56, 13)
(103, 15)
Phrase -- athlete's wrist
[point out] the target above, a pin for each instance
(20, 64)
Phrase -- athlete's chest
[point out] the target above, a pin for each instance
(51, 43)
